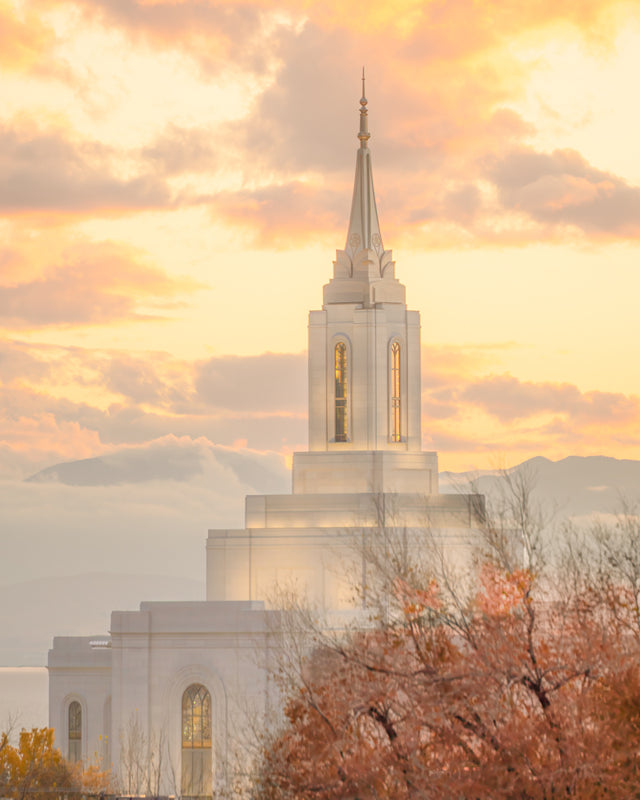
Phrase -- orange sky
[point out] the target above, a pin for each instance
(175, 176)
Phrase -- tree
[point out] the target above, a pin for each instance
(36, 767)
(521, 681)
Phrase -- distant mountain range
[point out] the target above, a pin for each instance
(574, 486)
(84, 537)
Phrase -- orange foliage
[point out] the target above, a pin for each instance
(511, 697)
(35, 767)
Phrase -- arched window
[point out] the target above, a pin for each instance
(75, 731)
(196, 742)
(396, 431)
(341, 392)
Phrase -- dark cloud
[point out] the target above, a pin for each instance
(44, 171)
(562, 188)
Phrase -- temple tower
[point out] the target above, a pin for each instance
(364, 365)
(364, 346)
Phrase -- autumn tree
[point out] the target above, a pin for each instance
(35, 767)
(520, 681)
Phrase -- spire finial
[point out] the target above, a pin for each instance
(363, 134)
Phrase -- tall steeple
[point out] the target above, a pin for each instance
(364, 272)
(364, 228)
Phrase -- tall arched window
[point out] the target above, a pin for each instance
(396, 431)
(196, 742)
(341, 392)
(75, 731)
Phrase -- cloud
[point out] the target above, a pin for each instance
(48, 172)
(164, 497)
(17, 363)
(28, 441)
(216, 35)
(23, 40)
(414, 122)
(508, 398)
(472, 416)
(178, 150)
(261, 400)
(439, 101)
(283, 215)
(134, 378)
(562, 188)
(181, 459)
(271, 382)
(157, 395)
(439, 92)
(85, 282)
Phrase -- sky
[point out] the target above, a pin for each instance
(176, 175)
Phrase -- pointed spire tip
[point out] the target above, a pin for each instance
(363, 133)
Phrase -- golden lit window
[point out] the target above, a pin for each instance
(196, 717)
(196, 742)
(396, 431)
(341, 392)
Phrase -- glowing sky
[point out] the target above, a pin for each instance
(175, 176)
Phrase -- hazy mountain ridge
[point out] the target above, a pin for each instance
(84, 537)
(573, 486)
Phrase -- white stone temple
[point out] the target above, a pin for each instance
(176, 675)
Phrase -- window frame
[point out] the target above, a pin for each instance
(396, 394)
(74, 731)
(341, 416)
(196, 738)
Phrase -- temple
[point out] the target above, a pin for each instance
(175, 676)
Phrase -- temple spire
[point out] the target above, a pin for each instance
(364, 229)
(364, 134)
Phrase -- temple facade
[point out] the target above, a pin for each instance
(180, 679)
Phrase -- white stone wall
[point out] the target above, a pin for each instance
(310, 542)
(163, 648)
(368, 334)
(82, 672)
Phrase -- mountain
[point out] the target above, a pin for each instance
(84, 537)
(573, 487)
